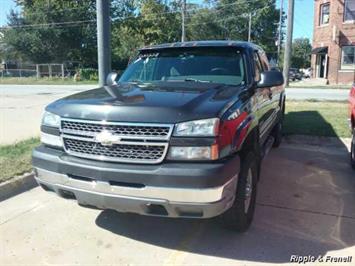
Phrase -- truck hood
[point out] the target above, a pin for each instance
(161, 102)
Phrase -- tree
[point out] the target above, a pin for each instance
(36, 35)
(150, 22)
(301, 53)
(229, 19)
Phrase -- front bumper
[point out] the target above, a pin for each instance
(170, 189)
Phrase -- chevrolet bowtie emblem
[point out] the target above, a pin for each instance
(106, 138)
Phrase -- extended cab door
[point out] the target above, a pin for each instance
(265, 99)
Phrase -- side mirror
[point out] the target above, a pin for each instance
(271, 79)
(111, 79)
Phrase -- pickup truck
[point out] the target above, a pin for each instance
(181, 133)
(352, 124)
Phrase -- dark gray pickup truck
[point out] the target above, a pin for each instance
(180, 134)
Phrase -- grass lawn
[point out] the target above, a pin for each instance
(44, 81)
(16, 159)
(317, 118)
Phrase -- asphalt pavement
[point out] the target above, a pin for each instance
(317, 94)
(21, 106)
(305, 206)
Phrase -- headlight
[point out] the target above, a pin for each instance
(50, 120)
(193, 153)
(201, 128)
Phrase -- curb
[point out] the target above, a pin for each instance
(17, 185)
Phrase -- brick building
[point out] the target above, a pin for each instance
(333, 54)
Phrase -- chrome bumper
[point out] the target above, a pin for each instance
(149, 200)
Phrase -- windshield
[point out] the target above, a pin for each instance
(217, 65)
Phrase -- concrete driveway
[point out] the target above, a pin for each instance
(306, 206)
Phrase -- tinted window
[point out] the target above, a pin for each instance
(258, 67)
(207, 65)
(264, 61)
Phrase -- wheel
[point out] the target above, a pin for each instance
(277, 134)
(240, 215)
(278, 129)
(352, 151)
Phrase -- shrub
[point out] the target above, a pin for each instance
(88, 74)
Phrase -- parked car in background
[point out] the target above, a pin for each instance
(294, 74)
(181, 133)
(352, 124)
(306, 72)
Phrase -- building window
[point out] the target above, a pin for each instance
(349, 13)
(324, 14)
(348, 57)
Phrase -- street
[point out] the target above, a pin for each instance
(305, 206)
(317, 94)
(22, 105)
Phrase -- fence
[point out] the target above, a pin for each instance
(38, 71)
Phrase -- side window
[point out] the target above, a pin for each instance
(264, 62)
(258, 67)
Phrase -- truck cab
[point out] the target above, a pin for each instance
(181, 133)
(352, 124)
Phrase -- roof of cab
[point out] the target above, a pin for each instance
(240, 44)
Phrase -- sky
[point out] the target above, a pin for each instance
(303, 20)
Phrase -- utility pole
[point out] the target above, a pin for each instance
(280, 32)
(103, 39)
(288, 48)
(183, 13)
(249, 29)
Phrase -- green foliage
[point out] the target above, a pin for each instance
(88, 74)
(16, 159)
(153, 22)
(45, 43)
(135, 23)
(228, 19)
(301, 53)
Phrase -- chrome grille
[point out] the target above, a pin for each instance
(123, 152)
(124, 130)
(136, 143)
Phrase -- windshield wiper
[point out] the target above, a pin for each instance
(197, 80)
(189, 80)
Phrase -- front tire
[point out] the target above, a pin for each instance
(277, 134)
(240, 215)
(352, 151)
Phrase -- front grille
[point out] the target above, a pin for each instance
(136, 143)
(122, 152)
(156, 131)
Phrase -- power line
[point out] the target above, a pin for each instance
(78, 23)
(48, 24)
